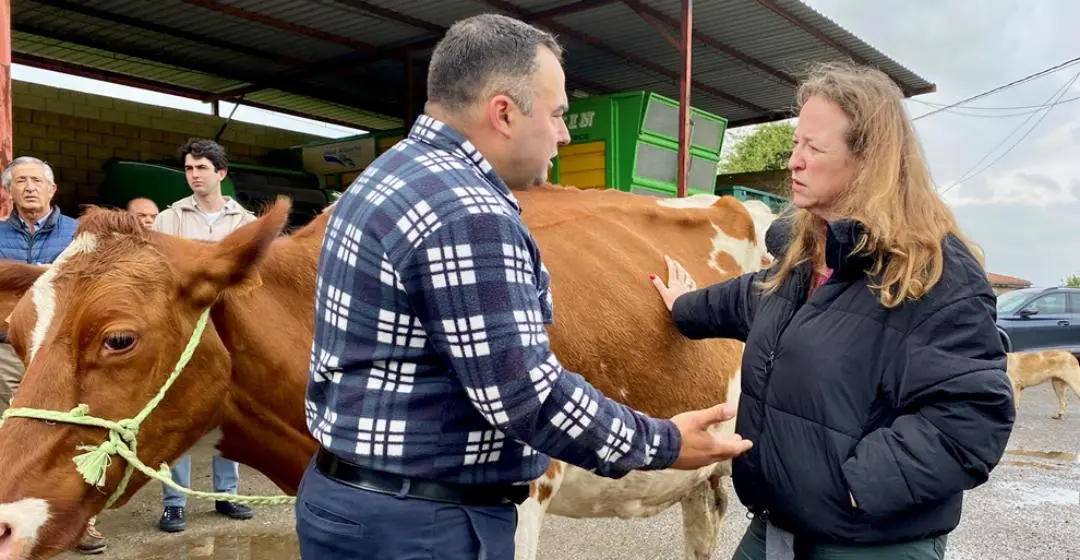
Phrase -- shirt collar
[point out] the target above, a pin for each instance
(438, 134)
(37, 225)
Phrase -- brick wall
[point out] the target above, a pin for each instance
(77, 132)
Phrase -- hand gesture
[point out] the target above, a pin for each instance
(701, 447)
(679, 282)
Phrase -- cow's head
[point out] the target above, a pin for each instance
(105, 326)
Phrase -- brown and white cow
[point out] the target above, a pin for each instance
(106, 323)
(1060, 367)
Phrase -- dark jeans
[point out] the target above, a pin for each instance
(334, 520)
(752, 547)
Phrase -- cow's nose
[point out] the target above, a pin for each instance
(20, 525)
(8, 546)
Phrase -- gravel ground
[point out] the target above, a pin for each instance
(1030, 508)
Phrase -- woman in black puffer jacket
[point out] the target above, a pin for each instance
(873, 377)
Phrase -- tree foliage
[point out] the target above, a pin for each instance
(1072, 281)
(767, 148)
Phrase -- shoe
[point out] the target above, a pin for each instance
(234, 510)
(172, 519)
(92, 541)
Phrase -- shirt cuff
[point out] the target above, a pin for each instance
(670, 444)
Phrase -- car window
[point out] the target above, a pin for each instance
(1049, 304)
(1074, 303)
(1010, 302)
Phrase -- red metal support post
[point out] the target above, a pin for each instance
(7, 130)
(684, 96)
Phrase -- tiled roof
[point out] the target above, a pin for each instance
(1006, 281)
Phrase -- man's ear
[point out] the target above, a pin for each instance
(232, 263)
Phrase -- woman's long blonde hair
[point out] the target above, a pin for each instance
(904, 219)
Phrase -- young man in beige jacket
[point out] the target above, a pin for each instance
(206, 215)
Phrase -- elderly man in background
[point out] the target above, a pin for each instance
(35, 232)
(144, 210)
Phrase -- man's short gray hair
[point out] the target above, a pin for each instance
(23, 160)
(486, 55)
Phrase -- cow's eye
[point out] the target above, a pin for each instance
(119, 341)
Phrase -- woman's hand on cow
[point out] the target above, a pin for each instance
(679, 282)
(701, 447)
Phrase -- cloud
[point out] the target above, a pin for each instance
(1016, 189)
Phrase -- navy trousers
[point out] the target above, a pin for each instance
(338, 521)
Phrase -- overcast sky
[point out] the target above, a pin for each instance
(1024, 209)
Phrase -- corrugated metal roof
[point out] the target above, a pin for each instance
(343, 60)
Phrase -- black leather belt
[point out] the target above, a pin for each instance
(363, 478)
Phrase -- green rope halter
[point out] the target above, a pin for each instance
(123, 439)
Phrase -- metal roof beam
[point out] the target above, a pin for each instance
(137, 23)
(631, 58)
(391, 15)
(152, 85)
(560, 11)
(107, 76)
(647, 12)
(389, 109)
(269, 21)
(403, 49)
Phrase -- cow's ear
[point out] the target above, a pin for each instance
(232, 263)
(15, 279)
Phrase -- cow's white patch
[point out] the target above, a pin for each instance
(692, 201)
(763, 218)
(24, 519)
(43, 293)
(744, 251)
(638, 494)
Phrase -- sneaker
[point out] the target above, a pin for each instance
(234, 510)
(92, 541)
(172, 519)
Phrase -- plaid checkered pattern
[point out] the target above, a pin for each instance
(431, 354)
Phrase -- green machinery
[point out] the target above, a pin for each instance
(630, 141)
(337, 162)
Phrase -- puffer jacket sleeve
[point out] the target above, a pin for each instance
(949, 380)
(724, 310)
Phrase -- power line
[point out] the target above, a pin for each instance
(1028, 78)
(983, 108)
(968, 175)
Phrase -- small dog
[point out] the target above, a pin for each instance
(1060, 367)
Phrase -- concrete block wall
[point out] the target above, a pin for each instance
(77, 132)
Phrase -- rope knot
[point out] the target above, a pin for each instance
(94, 464)
(80, 411)
(128, 429)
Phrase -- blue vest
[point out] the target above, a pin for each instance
(40, 247)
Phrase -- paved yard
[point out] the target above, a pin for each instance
(1030, 508)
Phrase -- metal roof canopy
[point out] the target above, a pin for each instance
(361, 63)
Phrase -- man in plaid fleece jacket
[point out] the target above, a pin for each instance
(432, 384)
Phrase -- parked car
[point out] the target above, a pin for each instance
(1040, 318)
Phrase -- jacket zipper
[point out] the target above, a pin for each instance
(770, 360)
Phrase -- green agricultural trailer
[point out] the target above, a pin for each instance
(630, 141)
